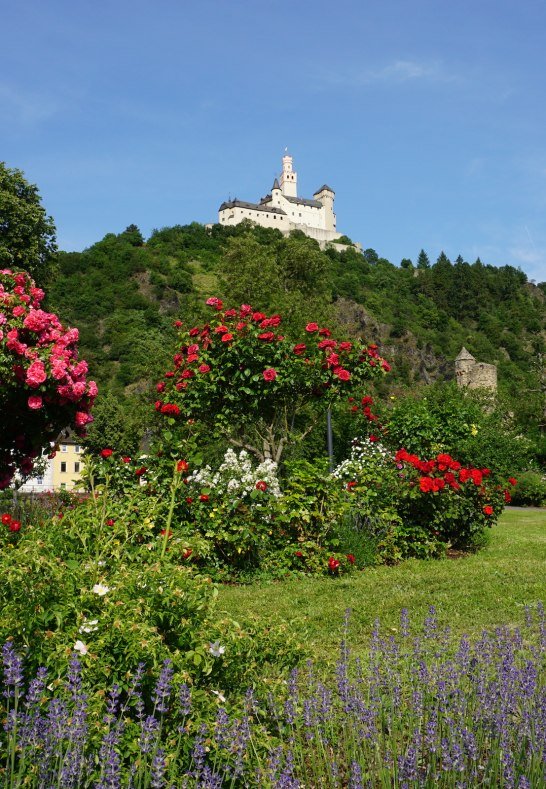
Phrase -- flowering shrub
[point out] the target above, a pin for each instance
(43, 386)
(97, 580)
(237, 477)
(237, 374)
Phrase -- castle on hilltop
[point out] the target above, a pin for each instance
(284, 210)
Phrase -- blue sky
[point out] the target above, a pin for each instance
(426, 117)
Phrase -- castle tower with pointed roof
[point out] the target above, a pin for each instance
(284, 210)
(472, 374)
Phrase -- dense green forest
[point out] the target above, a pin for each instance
(124, 293)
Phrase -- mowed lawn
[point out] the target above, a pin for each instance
(470, 593)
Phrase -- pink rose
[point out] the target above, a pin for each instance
(36, 374)
(35, 402)
(270, 374)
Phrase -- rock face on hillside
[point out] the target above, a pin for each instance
(421, 363)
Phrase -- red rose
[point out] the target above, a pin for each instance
(170, 408)
(126, 459)
(182, 465)
(258, 316)
(160, 386)
(351, 484)
(386, 366)
(187, 553)
(261, 485)
(311, 327)
(15, 526)
(512, 481)
(221, 330)
(110, 521)
(266, 336)
(246, 309)
(163, 532)
(203, 497)
(345, 346)
(193, 357)
(333, 564)
(177, 324)
(227, 337)
(488, 509)
(6, 518)
(373, 438)
(270, 374)
(343, 375)
(299, 554)
(507, 497)
(194, 332)
(139, 472)
(230, 313)
(189, 500)
(240, 326)
(367, 400)
(299, 349)
(105, 453)
(350, 558)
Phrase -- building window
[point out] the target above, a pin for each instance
(63, 448)
(63, 468)
(77, 449)
(76, 468)
(39, 480)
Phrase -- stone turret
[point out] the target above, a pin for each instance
(473, 374)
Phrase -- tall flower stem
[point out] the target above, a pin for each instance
(174, 487)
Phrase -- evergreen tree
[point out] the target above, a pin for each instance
(423, 261)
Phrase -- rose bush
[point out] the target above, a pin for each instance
(43, 386)
(238, 376)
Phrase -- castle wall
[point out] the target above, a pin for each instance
(235, 215)
(483, 376)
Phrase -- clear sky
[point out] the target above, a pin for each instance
(426, 117)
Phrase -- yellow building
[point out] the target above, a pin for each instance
(61, 472)
(67, 464)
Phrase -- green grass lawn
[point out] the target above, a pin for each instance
(471, 593)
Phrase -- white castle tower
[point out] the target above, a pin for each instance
(289, 178)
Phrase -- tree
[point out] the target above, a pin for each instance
(238, 378)
(423, 261)
(406, 263)
(27, 234)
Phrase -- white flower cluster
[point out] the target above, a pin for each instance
(237, 476)
(363, 454)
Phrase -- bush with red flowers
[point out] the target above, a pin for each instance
(43, 386)
(239, 375)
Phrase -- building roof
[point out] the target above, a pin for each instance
(464, 355)
(251, 206)
(275, 184)
(323, 188)
(303, 201)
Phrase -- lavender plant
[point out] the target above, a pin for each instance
(419, 710)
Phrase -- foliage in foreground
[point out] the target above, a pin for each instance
(419, 711)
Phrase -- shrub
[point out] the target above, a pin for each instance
(107, 583)
(530, 490)
(43, 386)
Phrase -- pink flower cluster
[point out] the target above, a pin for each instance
(43, 386)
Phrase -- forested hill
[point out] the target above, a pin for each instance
(123, 294)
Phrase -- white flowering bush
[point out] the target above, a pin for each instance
(238, 477)
(366, 456)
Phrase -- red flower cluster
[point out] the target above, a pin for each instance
(10, 522)
(332, 363)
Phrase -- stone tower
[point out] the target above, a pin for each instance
(473, 374)
(289, 178)
(325, 195)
